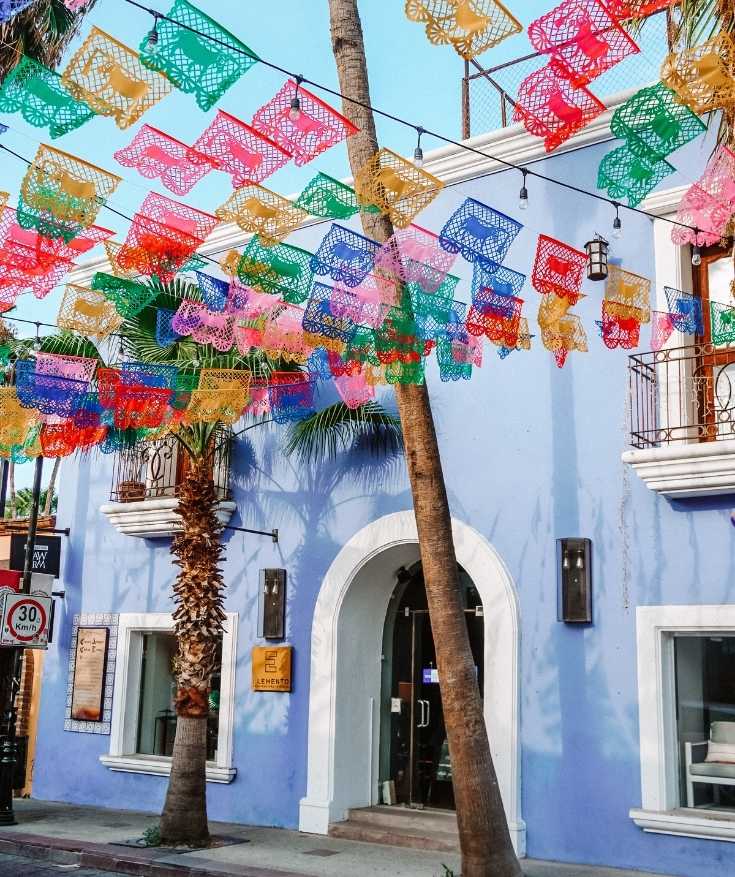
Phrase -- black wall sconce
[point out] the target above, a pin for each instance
(272, 604)
(574, 580)
(596, 250)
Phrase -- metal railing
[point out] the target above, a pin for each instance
(488, 94)
(156, 469)
(681, 395)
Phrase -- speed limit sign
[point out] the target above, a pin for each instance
(25, 621)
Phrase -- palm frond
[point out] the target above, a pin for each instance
(323, 435)
(63, 344)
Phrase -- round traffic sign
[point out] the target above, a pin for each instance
(26, 619)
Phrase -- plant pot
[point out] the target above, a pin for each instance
(131, 491)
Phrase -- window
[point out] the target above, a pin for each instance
(686, 664)
(156, 726)
(705, 720)
(143, 715)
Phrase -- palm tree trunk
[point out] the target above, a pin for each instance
(484, 838)
(198, 624)
(51, 487)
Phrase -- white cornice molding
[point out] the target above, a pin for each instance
(711, 825)
(155, 518)
(452, 164)
(665, 202)
(687, 470)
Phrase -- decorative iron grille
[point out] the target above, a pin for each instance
(488, 94)
(681, 395)
(156, 469)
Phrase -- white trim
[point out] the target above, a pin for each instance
(155, 518)
(349, 613)
(683, 471)
(451, 164)
(127, 687)
(655, 628)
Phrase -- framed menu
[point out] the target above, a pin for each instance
(88, 689)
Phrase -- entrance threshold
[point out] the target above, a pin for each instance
(401, 826)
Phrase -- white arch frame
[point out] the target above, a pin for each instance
(330, 785)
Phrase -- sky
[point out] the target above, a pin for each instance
(409, 78)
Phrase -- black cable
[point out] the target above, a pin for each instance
(386, 115)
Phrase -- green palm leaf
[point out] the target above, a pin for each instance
(323, 435)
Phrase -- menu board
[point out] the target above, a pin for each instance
(89, 674)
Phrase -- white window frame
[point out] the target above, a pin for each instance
(126, 697)
(661, 811)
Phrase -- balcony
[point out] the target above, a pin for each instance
(145, 485)
(682, 420)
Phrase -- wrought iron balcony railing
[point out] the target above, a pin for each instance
(156, 469)
(488, 94)
(682, 395)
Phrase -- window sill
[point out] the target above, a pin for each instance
(154, 518)
(687, 470)
(704, 824)
(160, 766)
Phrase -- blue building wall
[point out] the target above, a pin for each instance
(530, 453)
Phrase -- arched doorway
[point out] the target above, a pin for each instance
(343, 760)
(415, 768)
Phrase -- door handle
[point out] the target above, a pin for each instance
(424, 720)
(428, 714)
(420, 723)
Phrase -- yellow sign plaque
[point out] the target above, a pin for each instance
(272, 668)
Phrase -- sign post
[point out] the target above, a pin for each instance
(8, 750)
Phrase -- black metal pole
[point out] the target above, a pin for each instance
(4, 473)
(8, 751)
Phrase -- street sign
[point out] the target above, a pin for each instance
(46, 553)
(25, 621)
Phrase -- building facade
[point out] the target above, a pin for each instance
(599, 731)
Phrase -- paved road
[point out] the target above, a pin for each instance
(17, 866)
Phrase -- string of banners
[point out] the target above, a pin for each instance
(355, 312)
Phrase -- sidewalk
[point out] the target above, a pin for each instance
(93, 837)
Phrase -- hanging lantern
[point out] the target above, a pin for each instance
(110, 79)
(470, 26)
(197, 54)
(596, 250)
(38, 94)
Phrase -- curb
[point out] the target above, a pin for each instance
(62, 851)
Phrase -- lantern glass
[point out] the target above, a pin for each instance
(596, 258)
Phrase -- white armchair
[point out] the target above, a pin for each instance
(700, 771)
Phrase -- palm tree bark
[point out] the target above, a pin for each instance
(198, 624)
(484, 837)
(51, 487)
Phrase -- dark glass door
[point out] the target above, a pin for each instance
(419, 762)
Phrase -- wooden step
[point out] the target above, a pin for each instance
(402, 827)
